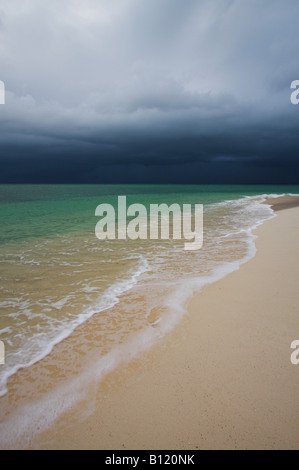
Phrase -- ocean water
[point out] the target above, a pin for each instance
(56, 275)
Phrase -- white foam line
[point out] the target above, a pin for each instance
(25, 423)
(106, 301)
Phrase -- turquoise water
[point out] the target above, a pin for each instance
(32, 211)
(56, 275)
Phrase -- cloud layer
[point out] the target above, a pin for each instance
(149, 91)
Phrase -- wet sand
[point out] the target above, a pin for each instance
(283, 202)
(223, 378)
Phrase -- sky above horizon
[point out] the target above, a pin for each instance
(149, 91)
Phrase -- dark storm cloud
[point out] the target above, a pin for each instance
(149, 91)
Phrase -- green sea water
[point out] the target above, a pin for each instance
(57, 277)
(32, 211)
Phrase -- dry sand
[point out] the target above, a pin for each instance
(223, 379)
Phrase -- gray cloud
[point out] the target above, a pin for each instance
(147, 82)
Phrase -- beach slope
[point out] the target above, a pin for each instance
(223, 379)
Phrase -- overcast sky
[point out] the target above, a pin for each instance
(156, 91)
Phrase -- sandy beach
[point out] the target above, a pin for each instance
(223, 379)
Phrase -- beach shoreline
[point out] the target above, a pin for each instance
(282, 202)
(222, 378)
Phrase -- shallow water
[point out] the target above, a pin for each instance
(56, 275)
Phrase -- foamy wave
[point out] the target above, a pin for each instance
(24, 424)
(43, 343)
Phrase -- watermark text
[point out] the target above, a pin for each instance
(2, 92)
(295, 94)
(295, 354)
(2, 353)
(136, 222)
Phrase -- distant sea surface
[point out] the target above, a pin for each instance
(55, 274)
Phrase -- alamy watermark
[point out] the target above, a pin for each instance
(295, 94)
(295, 354)
(135, 222)
(2, 92)
(2, 353)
